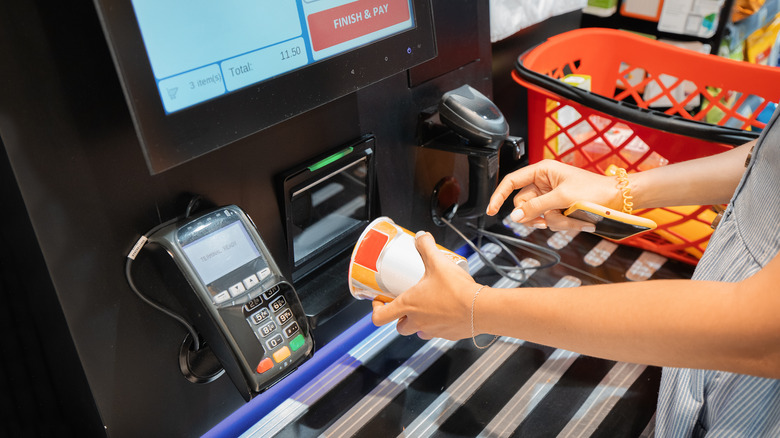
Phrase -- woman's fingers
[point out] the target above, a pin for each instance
(515, 180)
(424, 336)
(556, 221)
(538, 194)
(404, 327)
(434, 307)
(385, 313)
(426, 246)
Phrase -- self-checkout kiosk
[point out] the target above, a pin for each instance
(186, 181)
(230, 152)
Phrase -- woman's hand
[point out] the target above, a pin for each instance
(548, 187)
(439, 305)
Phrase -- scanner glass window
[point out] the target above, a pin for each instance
(328, 209)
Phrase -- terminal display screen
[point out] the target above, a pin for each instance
(201, 50)
(221, 252)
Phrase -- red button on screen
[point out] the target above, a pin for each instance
(265, 365)
(353, 20)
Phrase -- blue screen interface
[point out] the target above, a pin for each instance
(200, 50)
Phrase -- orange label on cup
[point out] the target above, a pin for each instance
(370, 248)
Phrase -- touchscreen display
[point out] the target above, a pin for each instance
(221, 252)
(201, 50)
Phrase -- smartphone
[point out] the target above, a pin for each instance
(611, 224)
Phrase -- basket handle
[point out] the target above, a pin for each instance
(628, 111)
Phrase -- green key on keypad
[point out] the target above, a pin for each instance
(297, 342)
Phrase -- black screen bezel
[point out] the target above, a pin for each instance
(168, 140)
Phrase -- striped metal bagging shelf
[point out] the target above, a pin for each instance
(389, 385)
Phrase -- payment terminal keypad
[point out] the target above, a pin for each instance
(273, 322)
(284, 316)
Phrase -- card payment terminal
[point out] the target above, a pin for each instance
(249, 314)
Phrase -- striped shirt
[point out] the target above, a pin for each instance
(720, 404)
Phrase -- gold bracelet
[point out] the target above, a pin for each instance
(473, 336)
(625, 190)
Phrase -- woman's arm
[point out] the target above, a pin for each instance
(549, 186)
(704, 181)
(679, 323)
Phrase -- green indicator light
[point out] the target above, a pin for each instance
(338, 155)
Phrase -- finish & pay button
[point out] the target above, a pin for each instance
(353, 20)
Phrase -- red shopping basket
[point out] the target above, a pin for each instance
(619, 121)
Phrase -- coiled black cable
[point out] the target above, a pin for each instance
(502, 241)
(128, 275)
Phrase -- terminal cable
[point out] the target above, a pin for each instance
(502, 241)
(128, 275)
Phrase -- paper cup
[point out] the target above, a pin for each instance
(385, 262)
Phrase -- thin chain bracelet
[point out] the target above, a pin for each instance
(473, 336)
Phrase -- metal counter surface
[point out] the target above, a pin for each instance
(373, 382)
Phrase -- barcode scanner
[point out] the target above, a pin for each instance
(478, 121)
(474, 117)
